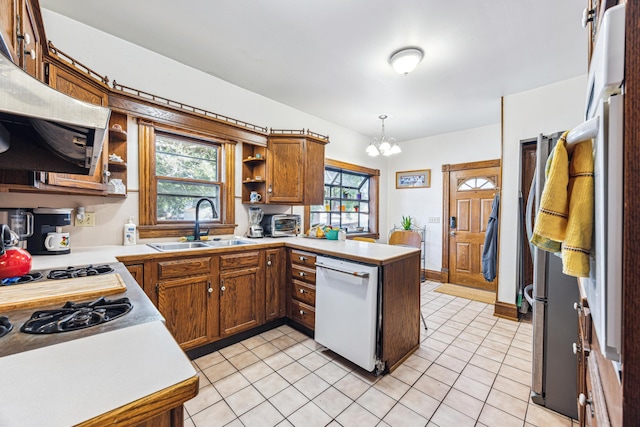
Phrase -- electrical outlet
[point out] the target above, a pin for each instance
(88, 221)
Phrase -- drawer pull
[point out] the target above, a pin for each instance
(583, 401)
(303, 258)
(576, 348)
(302, 291)
(577, 306)
(302, 274)
(302, 312)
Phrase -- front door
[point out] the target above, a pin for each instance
(471, 193)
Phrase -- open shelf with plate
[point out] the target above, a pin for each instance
(254, 172)
(117, 154)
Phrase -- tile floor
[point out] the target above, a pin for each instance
(472, 369)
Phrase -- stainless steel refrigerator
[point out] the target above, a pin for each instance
(555, 322)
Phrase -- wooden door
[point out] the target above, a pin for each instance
(184, 305)
(285, 161)
(471, 193)
(275, 301)
(239, 301)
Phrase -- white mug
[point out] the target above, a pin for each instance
(57, 242)
(255, 197)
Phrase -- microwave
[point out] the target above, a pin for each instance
(281, 225)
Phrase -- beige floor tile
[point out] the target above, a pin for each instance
(509, 325)
(485, 363)
(376, 402)
(432, 387)
(450, 362)
(447, 416)
(209, 360)
(352, 386)
(265, 350)
(233, 350)
(516, 362)
(297, 351)
(471, 329)
(286, 329)
(476, 339)
(271, 384)
(235, 423)
(418, 363)
(311, 344)
(491, 353)
(458, 353)
(253, 342)
(271, 334)
(507, 403)
(419, 402)
(331, 372)
(456, 325)
(243, 360)
(392, 387)
(256, 371)
(542, 417)
(288, 400)
(356, 415)
(434, 344)
(332, 401)
(494, 417)
(219, 371)
(188, 423)
(263, 415)
(406, 374)
(216, 415)
(481, 375)
(206, 397)
(426, 352)
(464, 344)
(472, 387)
(313, 361)
(504, 332)
(500, 338)
(286, 423)
(513, 388)
(309, 416)
(298, 336)
(231, 384)
(464, 403)
(244, 400)
(293, 372)
(521, 345)
(446, 329)
(442, 337)
(278, 360)
(519, 353)
(284, 342)
(515, 374)
(401, 416)
(203, 381)
(442, 374)
(311, 385)
(495, 345)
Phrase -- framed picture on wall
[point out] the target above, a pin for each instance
(414, 179)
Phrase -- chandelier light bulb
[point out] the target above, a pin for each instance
(382, 145)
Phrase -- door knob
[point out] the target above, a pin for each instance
(453, 233)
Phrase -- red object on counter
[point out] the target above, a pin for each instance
(14, 262)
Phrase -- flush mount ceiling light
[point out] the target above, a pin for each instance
(406, 60)
(382, 145)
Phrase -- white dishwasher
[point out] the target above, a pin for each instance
(347, 309)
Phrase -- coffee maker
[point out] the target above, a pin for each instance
(20, 222)
(45, 221)
(255, 216)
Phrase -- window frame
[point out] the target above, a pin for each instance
(149, 226)
(374, 196)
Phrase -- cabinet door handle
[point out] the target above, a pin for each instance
(302, 274)
(576, 348)
(209, 288)
(269, 262)
(302, 291)
(269, 190)
(303, 258)
(302, 312)
(222, 286)
(583, 401)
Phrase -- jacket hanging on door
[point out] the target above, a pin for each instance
(490, 251)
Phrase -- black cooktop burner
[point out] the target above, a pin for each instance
(31, 277)
(71, 272)
(73, 316)
(5, 326)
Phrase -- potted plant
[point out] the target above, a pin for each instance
(406, 222)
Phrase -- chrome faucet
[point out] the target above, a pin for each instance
(196, 230)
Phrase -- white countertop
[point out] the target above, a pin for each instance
(374, 252)
(71, 382)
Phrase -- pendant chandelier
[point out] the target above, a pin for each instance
(382, 145)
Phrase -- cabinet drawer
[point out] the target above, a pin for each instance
(303, 292)
(303, 314)
(239, 260)
(303, 258)
(184, 267)
(303, 273)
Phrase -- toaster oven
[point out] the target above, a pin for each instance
(281, 225)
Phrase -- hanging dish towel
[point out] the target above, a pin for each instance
(565, 218)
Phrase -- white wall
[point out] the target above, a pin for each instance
(546, 110)
(142, 69)
(469, 145)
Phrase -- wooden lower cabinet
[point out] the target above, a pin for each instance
(242, 299)
(275, 284)
(302, 288)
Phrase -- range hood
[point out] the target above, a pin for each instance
(42, 129)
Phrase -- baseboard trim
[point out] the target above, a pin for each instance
(433, 276)
(505, 310)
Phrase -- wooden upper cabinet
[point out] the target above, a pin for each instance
(20, 31)
(88, 90)
(295, 168)
(9, 26)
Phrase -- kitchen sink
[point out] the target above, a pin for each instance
(180, 246)
(177, 246)
(230, 242)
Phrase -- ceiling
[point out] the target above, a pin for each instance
(330, 58)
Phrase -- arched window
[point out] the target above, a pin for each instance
(477, 184)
